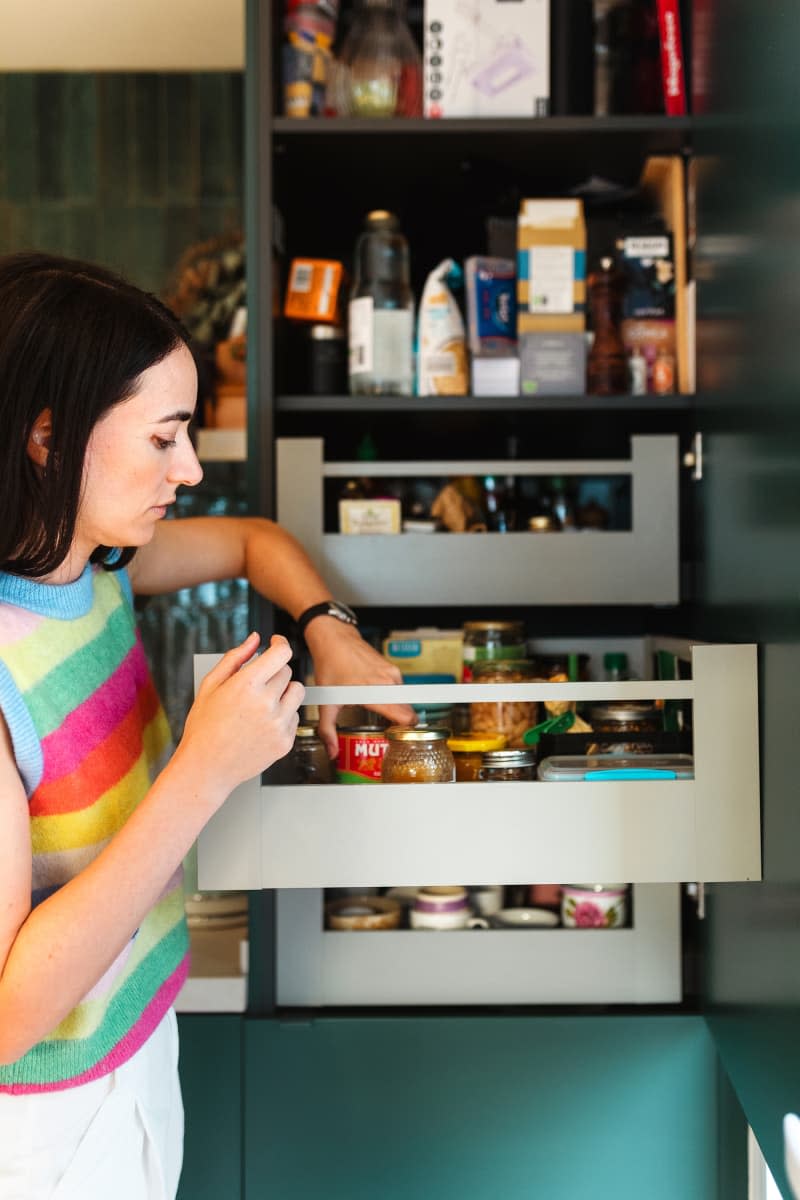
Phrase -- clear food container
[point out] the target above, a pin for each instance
(572, 768)
(509, 717)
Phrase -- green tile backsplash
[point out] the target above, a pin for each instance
(125, 169)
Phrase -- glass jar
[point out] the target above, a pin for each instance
(310, 760)
(488, 641)
(417, 755)
(507, 766)
(509, 717)
(628, 716)
(381, 65)
(468, 750)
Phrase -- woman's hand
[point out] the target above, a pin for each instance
(342, 656)
(244, 716)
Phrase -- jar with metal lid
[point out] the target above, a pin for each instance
(509, 717)
(309, 758)
(417, 755)
(488, 641)
(507, 766)
(468, 750)
(627, 716)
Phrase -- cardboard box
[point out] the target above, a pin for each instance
(487, 58)
(495, 376)
(647, 266)
(552, 364)
(426, 651)
(369, 516)
(551, 267)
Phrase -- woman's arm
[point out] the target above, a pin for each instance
(244, 718)
(195, 550)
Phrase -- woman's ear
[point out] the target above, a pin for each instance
(39, 439)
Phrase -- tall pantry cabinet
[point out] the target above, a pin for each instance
(557, 1101)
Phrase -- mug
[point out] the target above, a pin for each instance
(440, 908)
(594, 905)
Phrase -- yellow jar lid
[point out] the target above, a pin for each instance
(478, 742)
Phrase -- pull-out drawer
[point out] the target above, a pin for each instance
(652, 831)
(637, 566)
(636, 965)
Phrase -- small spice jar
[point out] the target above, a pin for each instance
(468, 750)
(630, 716)
(507, 766)
(309, 758)
(509, 717)
(488, 641)
(418, 755)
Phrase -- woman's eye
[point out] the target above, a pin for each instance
(164, 443)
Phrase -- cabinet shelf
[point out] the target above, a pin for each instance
(671, 129)
(373, 404)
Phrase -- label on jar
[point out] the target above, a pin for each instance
(473, 654)
(361, 754)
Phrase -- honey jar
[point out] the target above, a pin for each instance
(468, 750)
(418, 755)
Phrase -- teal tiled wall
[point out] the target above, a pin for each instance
(124, 169)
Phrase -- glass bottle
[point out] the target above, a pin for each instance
(381, 65)
(381, 311)
(607, 366)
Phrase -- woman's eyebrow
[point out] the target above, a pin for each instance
(176, 416)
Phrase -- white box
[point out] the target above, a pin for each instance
(495, 376)
(487, 58)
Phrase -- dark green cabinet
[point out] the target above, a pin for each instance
(211, 1082)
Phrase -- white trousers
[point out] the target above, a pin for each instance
(116, 1138)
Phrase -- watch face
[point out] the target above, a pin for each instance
(343, 612)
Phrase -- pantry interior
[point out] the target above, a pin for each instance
(479, 1051)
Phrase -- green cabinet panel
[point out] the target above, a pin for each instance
(211, 1081)
(424, 1108)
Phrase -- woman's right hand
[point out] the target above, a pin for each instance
(244, 716)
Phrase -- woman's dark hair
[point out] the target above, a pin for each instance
(74, 339)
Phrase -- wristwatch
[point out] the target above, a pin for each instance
(328, 608)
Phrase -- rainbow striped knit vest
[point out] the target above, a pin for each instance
(89, 736)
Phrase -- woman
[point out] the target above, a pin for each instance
(97, 388)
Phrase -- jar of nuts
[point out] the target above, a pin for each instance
(510, 717)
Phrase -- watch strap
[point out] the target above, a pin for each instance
(328, 608)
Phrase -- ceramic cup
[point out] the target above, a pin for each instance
(440, 908)
(526, 918)
(487, 898)
(594, 905)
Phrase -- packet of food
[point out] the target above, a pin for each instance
(441, 336)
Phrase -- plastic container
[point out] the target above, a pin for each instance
(468, 750)
(574, 768)
(419, 755)
(508, 766)
(509, 717)
(488, 641)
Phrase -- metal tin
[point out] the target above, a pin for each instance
(361, 753)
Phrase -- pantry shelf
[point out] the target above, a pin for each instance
(669, 131)
(372, 404)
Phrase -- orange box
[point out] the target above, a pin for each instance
(312, 293)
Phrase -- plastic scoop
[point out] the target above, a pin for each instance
(559, 724)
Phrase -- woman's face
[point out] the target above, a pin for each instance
(139, 453)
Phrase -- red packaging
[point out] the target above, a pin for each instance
(672, 68)
(361, 754)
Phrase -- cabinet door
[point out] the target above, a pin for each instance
(211, 1082)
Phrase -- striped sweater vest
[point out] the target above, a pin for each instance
(89, 736)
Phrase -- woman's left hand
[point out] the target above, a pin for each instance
(342, 656)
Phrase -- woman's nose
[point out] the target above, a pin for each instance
(186, 467)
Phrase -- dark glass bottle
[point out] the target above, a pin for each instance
(607, 366)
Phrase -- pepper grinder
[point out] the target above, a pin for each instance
(607, 365)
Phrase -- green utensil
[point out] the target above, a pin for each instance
(559, 724)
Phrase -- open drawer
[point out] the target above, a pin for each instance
(636, 965)
(637, 566)
(653, 831)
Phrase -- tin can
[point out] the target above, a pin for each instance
(361, 754)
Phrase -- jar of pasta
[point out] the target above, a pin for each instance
(419, 755)
(489, 641)
(468, 750)
(509, 717)
(507, 766)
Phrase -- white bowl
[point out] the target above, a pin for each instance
(526, 918)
